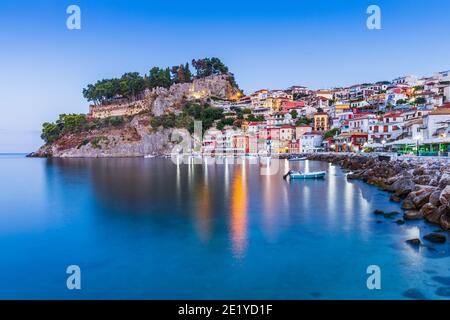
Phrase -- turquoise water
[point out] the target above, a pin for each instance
(147, 228)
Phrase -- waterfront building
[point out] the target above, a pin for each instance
(287, 132)
(301, 130)
(294, 146)
(311, 142)
(437, 123)
(350, 141)
(389, 128)
(321, 121)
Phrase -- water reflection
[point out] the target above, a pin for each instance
(238, 215)
(203, 210)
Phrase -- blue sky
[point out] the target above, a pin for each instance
(270, 44)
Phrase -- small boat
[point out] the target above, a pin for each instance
(147, 156)
(305, 175)
(298, 159)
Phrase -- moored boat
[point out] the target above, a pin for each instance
(298, 159)
(305, 175)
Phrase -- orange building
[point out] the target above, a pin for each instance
(321, 121)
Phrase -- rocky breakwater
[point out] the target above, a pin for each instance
(421, 185)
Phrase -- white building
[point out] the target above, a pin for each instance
(409, 80)
(436, 122)
(361, 122)
(442, 76)
(310, 142)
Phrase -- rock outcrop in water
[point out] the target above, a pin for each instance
(422, 185)
(133, 139)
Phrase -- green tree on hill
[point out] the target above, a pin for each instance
(209, 66)
(131, 84)
(159, 78)
(181, 74)
(50, 132)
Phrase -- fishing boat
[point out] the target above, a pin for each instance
(305, 175)
(298, 159)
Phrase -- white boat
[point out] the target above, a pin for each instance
(298, 159)
(305, 175)
(147, 156)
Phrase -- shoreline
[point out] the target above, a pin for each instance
(421, 185)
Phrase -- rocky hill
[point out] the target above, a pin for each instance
(133, 135)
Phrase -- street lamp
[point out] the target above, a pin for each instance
(417, 144)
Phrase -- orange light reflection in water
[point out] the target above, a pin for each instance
(203, 212)
(239, 203)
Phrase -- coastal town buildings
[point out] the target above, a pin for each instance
(407, 114)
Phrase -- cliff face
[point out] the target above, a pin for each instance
(132, 139)
(172, 99)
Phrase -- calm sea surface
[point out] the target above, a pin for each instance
(147, 228)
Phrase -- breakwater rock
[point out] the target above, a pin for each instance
(421, 184)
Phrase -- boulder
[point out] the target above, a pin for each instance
(414, 242)
(408, 204)
(444, 197)
(435, 238)
(444, 181)
(412, 215)
(445, 222)
(434, 198)
(395, 198)
(430, 213)
(400, 221)
(424, 179)
(403, 186)
(354, 176)
(434, 182)
(420, 197)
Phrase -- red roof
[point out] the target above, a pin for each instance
(362, 114)
(293, 104)
(393, 114)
